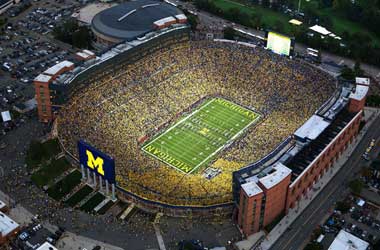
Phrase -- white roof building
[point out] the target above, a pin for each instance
(42, 78)
(164, 21)
(362, 81)
(47, 246)
(251, 188)
(181, 17)
(6, 116)
(7, 225)
(85, 54)
(360, 92)
(319, 29)
(2, 205)
(275, 177)
(347, 241)
(312, 128)
(59, 66)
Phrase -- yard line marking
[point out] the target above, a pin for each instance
(226, 144)
(226, 116)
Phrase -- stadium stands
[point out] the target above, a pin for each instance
(146, 96)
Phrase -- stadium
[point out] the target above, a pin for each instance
(180, 117)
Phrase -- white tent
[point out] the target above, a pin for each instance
(6, 116)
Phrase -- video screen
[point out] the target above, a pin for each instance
(279, 44)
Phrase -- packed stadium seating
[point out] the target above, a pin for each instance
(146, 97)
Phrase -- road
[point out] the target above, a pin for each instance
(303, 226)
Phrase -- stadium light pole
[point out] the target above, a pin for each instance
(299, 6)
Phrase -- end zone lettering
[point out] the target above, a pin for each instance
(167, 158)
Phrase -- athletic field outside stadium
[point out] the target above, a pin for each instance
(196, 138)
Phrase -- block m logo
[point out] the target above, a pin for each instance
(95, 164)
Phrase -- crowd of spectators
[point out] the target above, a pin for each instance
(148, 96)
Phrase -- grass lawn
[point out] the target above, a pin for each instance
(340, 23)
(79, 195)
(271, 17)
(39, 152)
(64, 186)
(268, 17)
(92, 203)
(105, 208)
(195, 139)
(48, 172)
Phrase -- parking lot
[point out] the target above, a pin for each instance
(27, 48)
(27, 45)
(359, 212)
(34, 235)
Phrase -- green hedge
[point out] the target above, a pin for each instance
(79, 195)
(92, 203)
(48, 172)
(64, 186)
(105, 208)
(40, 152)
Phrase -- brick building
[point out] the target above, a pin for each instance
(8, 228)
(262, 199)
(43, 91)
(264, 192)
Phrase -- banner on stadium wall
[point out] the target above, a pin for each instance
(97, 161)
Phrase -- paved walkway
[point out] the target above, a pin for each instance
(70, 241)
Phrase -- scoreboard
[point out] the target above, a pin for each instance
(279, 44)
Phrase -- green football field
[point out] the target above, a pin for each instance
(195, 139)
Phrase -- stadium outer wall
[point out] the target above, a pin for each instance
(277, 197)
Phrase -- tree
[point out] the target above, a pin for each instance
(193, 21)
(366, 172)
(70, 32)
(229, 33)
(347, 73)
(356, 186)
(81, 38)
(256, 20)
(314, 246)
(65, 31)
(357, 69)
(376, 246)
(343, 206)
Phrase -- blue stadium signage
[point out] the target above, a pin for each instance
(96, 161)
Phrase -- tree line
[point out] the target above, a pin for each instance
(358, 45)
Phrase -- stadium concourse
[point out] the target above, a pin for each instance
(122, 112)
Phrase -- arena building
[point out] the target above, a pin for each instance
(135, 19)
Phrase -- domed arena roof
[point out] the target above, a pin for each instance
(129, 20)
